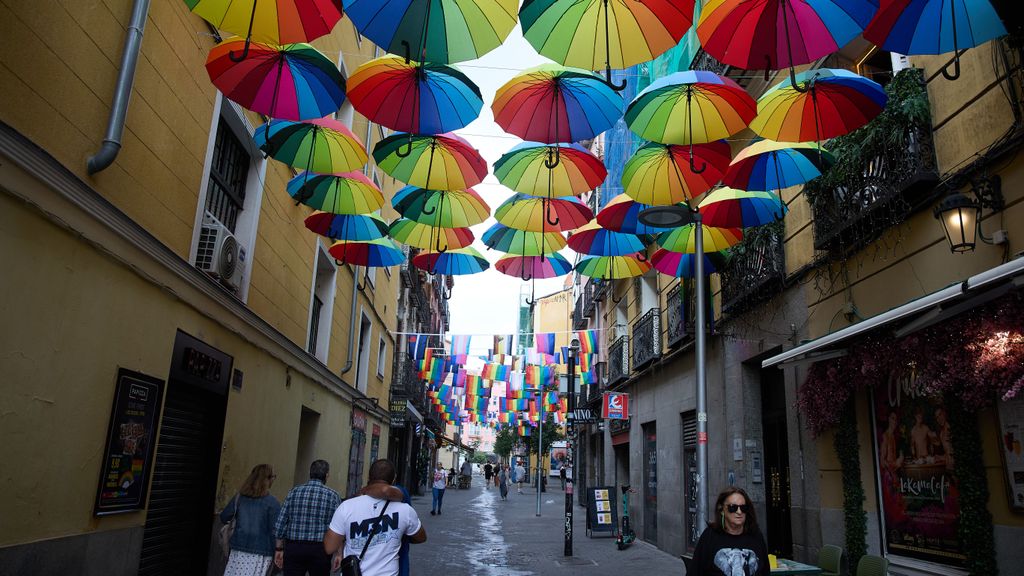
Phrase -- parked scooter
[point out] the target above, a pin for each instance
(626, 534)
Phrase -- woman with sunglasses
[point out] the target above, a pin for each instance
(732, 544)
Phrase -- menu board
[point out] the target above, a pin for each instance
(1011, 437)
(601, 511)
(128, 456)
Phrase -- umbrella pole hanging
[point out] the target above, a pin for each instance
(546, 202)
(304, 193)
(778, 179)
(956, 51)
(608, 56)
(789, 48)
(273, 99)
(548, 163)
(689, 129)
(248, 38)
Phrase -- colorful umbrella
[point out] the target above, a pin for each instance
(530, 267)
(429, 237)
(629, 32)
(352, 227)
(622, 214)
(291, 82)
(346, 193)
(444, 31)
(729, 208)
(693, 107)
(769, 165)
(423, 98)
(529, 168)
(930, 27)
(325, 146)
(594, 240)
(684, 240)
(682, 265)
(445, 162)
(454, 209)
(537, 214)
(274, 21)
(378, 253)
(776, 34)
(454, 262)
(552, 103)
(612, 267)
(660, 174)
(829, 102)
(522, 242)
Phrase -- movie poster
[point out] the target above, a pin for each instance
(920, 499)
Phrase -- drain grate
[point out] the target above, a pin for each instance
(574, 561)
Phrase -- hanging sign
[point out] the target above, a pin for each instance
(615, 405)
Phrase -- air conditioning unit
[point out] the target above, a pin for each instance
(219, 254)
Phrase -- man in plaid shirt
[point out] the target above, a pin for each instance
(301, 524)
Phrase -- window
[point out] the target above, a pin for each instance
(382, 348)
(364, 353)
(321, 307)
(225, 192)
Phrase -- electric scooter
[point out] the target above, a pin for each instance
(626, 534)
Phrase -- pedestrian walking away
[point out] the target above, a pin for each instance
(302, 523)
(732, 544)
(254, 512)
(503, 482)
(488, 471)
(439, 484)
(372, 528)
(520, 477)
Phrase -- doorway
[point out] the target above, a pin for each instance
(776, 463)
(651, 483)
(305, 452)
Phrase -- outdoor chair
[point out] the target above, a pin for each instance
(872, 566)
(830, 560)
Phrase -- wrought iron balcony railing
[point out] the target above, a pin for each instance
(618, 361)
(704, 61)
(405, 380)
(756, 268)
(679, 315)
(646, 338)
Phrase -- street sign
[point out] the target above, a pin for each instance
(582, 416)
(615, 405)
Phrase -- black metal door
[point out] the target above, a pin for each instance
(778, 529)
(650, 483)
(690, 531)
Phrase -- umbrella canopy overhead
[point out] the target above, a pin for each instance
(612, 267)
(769, 165)
(455, 262)
(428, 237)
(552, 103)
(273, 21)
(290, 82)
(358, 228)
(729, 208)
(534, 267)
(527, 168)
(522, 242)
(423, 98)
(597, 241)
(827, 102)
(543, 215)
(378, 253)
(660, 174)
(346, 193)
(447, 209)
(684, 265)
(325, 145)
(684, 239)
(443, 31)
(622, 214)
(444, 162)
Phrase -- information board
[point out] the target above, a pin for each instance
(602, 511)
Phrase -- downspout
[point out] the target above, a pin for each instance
(355, 277)
(122, 91)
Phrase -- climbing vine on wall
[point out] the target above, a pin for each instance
(975, 530)
(856, 519)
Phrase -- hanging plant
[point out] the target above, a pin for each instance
(848, 450)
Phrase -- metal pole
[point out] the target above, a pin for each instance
(540, 439)
(702, 385)
(570, 445)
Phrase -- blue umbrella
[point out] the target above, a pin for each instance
(355, 228)
(769, 165)
(454, 262)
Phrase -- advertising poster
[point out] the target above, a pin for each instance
(558, 456)
(1011, 436)
(920, 499)
(128, 457)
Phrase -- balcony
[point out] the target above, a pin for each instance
(756, 269)
(679, 316)
(405, 380)
(704, 61)
(618, 361)
(646, 336)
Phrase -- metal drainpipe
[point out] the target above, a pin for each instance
(355, 280)
(122, 91)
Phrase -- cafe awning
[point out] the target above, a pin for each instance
(914, 315)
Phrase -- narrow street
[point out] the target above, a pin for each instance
(479, 535)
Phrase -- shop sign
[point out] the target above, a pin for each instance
(398, 412)
(919, 488)
(128, 456)
(358, 419)
(615, 405)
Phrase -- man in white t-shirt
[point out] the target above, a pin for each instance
(360, 518)
(520, 476)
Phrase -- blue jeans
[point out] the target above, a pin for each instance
(438, 497)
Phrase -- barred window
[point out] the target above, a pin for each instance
(228, 173)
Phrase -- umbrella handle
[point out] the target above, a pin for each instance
(792, 80)
(446, 293)
(641, 256)
(956, 69)
(408, 50)
(361, 286)
(339, 262)
(548, 163)
(429, 212)
(693, 167)
(547, 215)
(612, 85)
(245, 52)
(438, 248)
(525, 276)
(407, 146)
(614, 299)
(767, 67)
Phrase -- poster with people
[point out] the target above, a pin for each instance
(920, 498)
(558, 456)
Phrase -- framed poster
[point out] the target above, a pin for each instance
(1011, 438)
(128, 457)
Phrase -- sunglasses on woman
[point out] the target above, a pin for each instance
(733, 508)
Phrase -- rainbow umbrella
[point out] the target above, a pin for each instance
(597, 241)
(622, 214)
(776, 34)
(428, 237)
(682, 265)
(537, 214)
(446, 209)
(612, 267)
(917, 27)
(346, 193)
(665, 111)
(444, 162)
(423, 98)
(530, 267)
(453, 262)
(684, 239)
(352, 227)
(378, 253)
(660, 174)
(444, 31)
(291, 82)
(574, 33)
(528, 168)
(274, 21)
(827, 103)
(522, 242)
(729, 208)
(551, 103)
(325, 146)
(769, 165)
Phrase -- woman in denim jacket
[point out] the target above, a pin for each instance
(252, 543)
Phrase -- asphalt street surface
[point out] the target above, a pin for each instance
(480, 535)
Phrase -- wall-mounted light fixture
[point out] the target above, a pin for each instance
(960, 215)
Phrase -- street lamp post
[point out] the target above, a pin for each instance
(574, 347)
(540, 446)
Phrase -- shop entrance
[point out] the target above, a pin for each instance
(776, 463)
(650, 490)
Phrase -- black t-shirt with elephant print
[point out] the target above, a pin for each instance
(719, 553)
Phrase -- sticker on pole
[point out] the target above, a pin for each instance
(615, 406)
